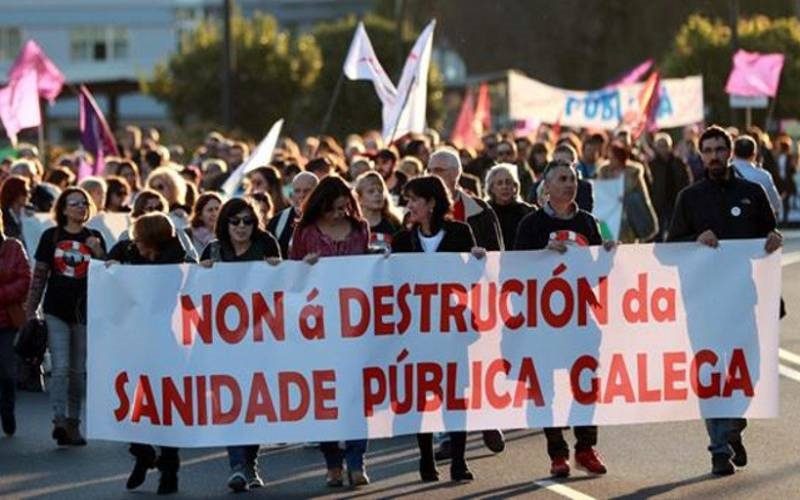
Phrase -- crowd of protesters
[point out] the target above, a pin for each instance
(318, 198)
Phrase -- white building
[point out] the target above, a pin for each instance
(111, 45)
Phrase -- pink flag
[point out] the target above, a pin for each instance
(633, 75)
(755, 74)
(49, 77)
(19, 105)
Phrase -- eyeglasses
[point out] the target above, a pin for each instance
(77, 204)
(235, 221)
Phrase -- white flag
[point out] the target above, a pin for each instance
(362, 64)
(260, 157)
(408, 113)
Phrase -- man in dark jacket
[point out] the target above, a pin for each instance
(282, 225)
(446, 164)
(723, 206)
(669, 175)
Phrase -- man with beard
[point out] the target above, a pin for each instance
(723, 206)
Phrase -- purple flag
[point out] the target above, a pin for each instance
(755, 74)
(632, 76)
(96, 136)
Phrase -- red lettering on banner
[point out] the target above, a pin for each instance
(673, 375)
(454, 311)
(144, 404)
(405, 310)
(383, 310)
(528, 385)
(453, 401)
(124, 404)
(373, 395)
(646, 395)
(738, 376)
(350, 329)
(425, 292)
(218, 383)
(259, 403)
(619, 382)
(581, 396)
(273, 317)
(432, 385)
(635, 303)
(494, 398)
(191, 318)
(324, 393)
(704, 357)
(285, 381)
(236, 334)
(511, 321)
(483, 323)
(171, 398)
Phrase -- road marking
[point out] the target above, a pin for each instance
(564, 491)
(789, 356)
(789, 373)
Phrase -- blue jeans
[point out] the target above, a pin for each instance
(243, 456)
(353, 454)
(722, 431)
(68, 376)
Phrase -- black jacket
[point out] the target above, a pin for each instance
(732, 209)
(457, 238)
(483, 221)
(264, 246)
(286, 219)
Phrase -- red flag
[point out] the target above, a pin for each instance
(648, 105)
(483, 111)
(474, 118)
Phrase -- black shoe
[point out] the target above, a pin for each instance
(167, 483)
(9, 423)
(721, 465)
(139, 472)
(460, 472)
(428, 472)
(443, 453)
(60, 432)
(739, 453)
(494, 440)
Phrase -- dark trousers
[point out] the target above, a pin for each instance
(585, 438)
(8, 371)
(458, 445)
(168, 461)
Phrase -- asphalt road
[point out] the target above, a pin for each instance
(654, 460)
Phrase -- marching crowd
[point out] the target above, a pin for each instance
(317, 199)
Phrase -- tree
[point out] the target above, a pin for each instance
(357, 108)
(272, 70)
(703, 46)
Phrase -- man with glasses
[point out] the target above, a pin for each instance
(723, 206)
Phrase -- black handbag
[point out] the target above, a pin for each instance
(31, 341)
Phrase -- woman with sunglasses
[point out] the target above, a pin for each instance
(241, 239)
(331, 224)
(62, 263)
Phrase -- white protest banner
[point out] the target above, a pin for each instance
(681, 103)
(260, 157)
(33, 225)
(111, 225)
(364, 346)
(608, 205)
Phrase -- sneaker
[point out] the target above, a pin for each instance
(253, 479)
(443, 452)
(237, 481)
(357, 478)
(590, 460)
(333, 478)
(9, 423)
(494, 440)
(559, 467)
(739, 453)
(721, 465)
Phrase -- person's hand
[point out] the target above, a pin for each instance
(708, 238)
(93, 242)
(311, 258)
(273, 261)
(208, 263)
(610, 245)
(110, 263)
(557, 246)
(774, 241)
(478, 252)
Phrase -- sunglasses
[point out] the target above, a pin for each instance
(77, 204)
(235, 221)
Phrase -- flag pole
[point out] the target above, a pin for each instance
(402, 108)
(335, 97)
(40, 130)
